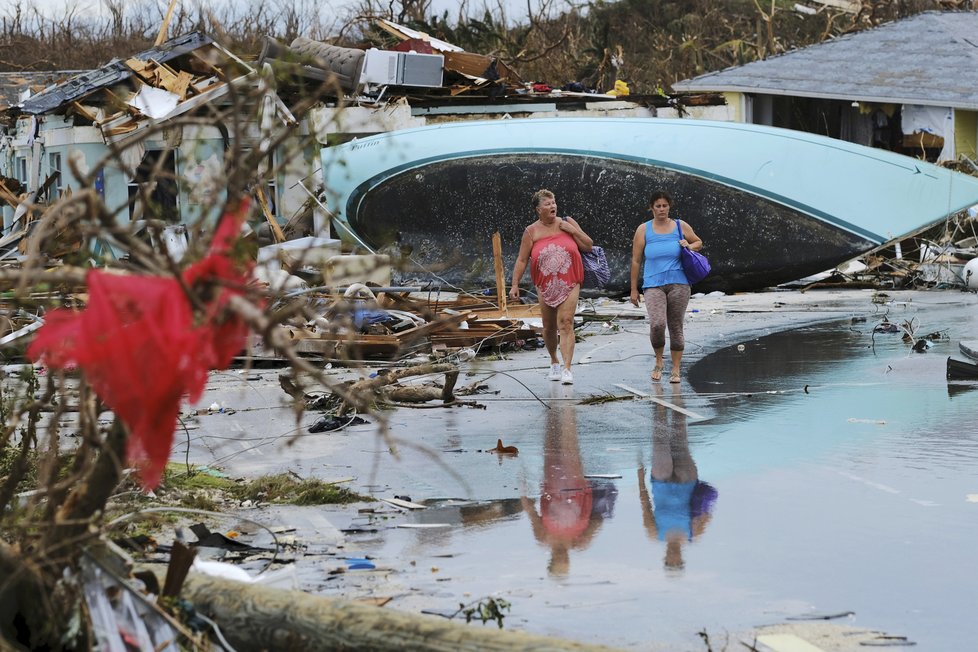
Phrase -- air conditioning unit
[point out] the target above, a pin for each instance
(390, 68)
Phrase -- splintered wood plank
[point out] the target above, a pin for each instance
(178, 85)
(84, 112)
(277, 234)
(142, 68)
(406, 504)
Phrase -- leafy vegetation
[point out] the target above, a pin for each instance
(286, 488)
(486, 609)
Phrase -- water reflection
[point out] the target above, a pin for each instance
(680, 505)
(774, 361)
(572, 507)
(959, 387)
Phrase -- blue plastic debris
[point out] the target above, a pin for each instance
(359, 563)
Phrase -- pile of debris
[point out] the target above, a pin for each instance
(944, 257)
(396, 323)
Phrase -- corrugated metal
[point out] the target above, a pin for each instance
(112, 73)
(12, 84)
(929, 59)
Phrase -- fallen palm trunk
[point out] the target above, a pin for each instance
(424, 394)
(260, 618)
(364, 391)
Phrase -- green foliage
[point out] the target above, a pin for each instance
(200, 487)
(285, 488)
(486, 609)
(9, 456)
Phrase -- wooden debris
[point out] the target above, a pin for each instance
(405, 504)
(277, 234)
(84, 112)
(504, 450)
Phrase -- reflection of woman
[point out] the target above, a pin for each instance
(553, 246)
(681, 504)
(571, 509)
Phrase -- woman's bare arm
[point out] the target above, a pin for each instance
(690, 239)
(526, 246)
(583, 240)
(638, 255)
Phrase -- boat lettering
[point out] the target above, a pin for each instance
(364, 145)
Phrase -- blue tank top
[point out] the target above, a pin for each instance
(662, 263)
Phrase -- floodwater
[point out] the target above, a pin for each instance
(823, 471)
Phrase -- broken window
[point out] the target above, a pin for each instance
(154, 187)
(54, 170)
(22, 170)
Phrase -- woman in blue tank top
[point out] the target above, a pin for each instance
(655, 251)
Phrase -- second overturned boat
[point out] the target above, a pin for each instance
(772, 205)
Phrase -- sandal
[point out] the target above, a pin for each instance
(657, 372)
(674, 376)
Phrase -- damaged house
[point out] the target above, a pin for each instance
(130, 124)
(909, 86)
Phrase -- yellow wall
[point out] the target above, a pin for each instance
(735, 100)
(966, 133)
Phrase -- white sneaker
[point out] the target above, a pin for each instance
(554, 374)
(566, 377)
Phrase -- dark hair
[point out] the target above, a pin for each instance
(539, 195)
(660, 194)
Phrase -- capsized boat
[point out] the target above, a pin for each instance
(771, 205)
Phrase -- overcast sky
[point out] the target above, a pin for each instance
(515, 10)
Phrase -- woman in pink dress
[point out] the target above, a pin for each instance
(552, 246)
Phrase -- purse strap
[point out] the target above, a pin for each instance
(679, 230)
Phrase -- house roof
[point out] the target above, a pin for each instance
(109, 74)
(13, 84)
(928, 59)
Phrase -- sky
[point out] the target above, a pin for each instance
(515, 10)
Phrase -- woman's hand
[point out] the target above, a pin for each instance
(571, 227)
(684, 243)
(635, 298)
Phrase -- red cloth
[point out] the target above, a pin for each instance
(556, 267)
(142, 348)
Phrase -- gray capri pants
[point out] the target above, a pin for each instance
(666, 306)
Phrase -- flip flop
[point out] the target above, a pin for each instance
(657, 372)
(674, 376)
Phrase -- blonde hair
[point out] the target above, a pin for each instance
(539, 196)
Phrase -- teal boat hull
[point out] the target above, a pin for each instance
(771, 205)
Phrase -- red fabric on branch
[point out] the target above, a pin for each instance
(143, 348)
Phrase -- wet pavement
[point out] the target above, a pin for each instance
(793, 474)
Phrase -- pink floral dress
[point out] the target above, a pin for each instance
(556, 267)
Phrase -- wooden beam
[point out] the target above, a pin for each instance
(497, 260)
(8, 196)
(164, 28)
(277, 234)
(85, 113)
